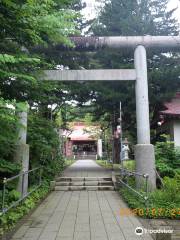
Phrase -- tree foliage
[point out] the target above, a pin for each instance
(132, 18)
(36, 22)
(167, 158)
(44, 144)
(25, 24)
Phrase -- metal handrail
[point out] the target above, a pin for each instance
(6, 180)
(132, 173)
(158, 175)
(20, 174)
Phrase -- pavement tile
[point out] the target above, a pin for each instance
(66, 232)
(82, 228)
(99, 238)
(82, 235)
(33, 233)
(64, 238)
(21, 232)
(51, 228)
(48, 236)
(117, 236)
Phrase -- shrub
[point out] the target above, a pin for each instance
(167, 158)
(8, 138)
(44, 145)
(44, 151)
(8, 168)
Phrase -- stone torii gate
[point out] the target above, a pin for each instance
(144, 151)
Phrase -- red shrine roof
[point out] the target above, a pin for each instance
(172, 107)
(81, 132)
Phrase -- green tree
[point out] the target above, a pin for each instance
(25, 24)
(122, 18)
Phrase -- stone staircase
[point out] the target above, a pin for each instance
(85, 157)
(84, 183)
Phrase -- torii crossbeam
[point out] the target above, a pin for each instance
(144, 151)
(91, 75)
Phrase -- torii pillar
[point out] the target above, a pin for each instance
(21, 154)
(144, 151)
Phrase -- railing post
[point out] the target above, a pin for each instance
(146, 197)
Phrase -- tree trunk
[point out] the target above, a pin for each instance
(116, 150)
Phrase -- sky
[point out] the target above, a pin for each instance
(173, 4)
(89, 12)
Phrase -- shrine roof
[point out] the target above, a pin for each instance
(172, 107)
(79, 131)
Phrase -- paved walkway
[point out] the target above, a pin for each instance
(86, 168)
(80, 215)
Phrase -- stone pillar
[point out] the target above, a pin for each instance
(22, 150)
(144, 151)
(99, 148)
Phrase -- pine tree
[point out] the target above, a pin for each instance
(131, 18)
(138, 17)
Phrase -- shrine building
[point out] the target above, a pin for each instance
(170, 119)
(82, 141)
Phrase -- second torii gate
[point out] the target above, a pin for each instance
(144, 150)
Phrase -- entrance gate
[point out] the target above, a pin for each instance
(144, 151)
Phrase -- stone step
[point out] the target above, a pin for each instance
(86, 188)
(98, 178)
(85, 183)
(79, 179)
(106, 183)
(63, 179)
(76, 183)
(63, 183)
(85, 157)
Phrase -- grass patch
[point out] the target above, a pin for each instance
(69, 162)
(129, 164)
(108, 165)
(105, 164)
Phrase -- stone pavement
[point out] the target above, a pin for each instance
(86, 168)
(80, 215)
